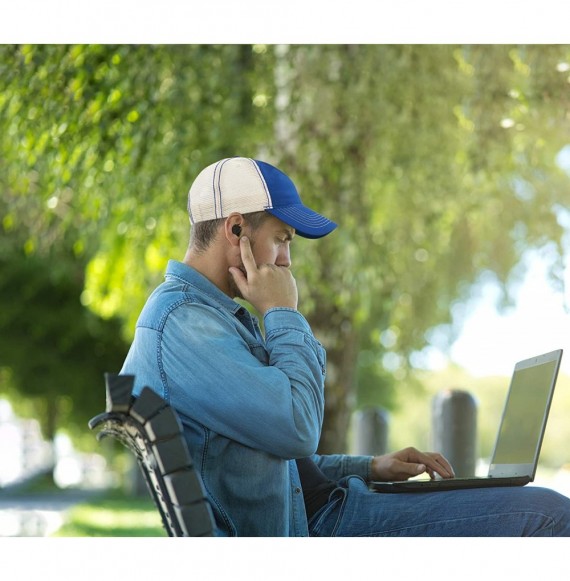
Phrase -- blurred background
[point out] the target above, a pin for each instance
(447, 168)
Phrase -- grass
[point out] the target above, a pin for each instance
(113, 514)
(38, 484)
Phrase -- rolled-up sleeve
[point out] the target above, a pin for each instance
(337, 466)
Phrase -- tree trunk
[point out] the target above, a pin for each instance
(342, 351)
(51, 417)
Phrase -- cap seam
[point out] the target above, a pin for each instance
(214, 187)
(220, 186)
(264, 183)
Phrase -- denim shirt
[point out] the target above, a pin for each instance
(249, 405)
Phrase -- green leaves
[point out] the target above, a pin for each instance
(438, 163)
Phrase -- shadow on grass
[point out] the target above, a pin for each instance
(113, 515)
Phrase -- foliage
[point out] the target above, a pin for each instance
(101, 143)
(96, 145)
(438, 163)
(56, 349)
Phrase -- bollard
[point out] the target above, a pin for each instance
(371, 431)
(454, 429)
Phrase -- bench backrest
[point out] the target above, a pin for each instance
(152, 430)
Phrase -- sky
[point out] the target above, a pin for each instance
(490, 341)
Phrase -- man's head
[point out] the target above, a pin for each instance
(248, 186)
(243, 200)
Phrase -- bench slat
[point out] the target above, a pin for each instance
(184, 487)
(118, 390)
(163, 426)
(195, 519)
(146, 405)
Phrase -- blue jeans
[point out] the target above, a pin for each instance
(354, 511)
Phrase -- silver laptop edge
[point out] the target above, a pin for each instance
(497, 469)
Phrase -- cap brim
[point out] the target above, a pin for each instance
(306, 222)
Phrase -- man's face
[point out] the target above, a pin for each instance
(270, 244)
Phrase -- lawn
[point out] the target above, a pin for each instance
(113, 514)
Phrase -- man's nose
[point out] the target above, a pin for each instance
(284, 258)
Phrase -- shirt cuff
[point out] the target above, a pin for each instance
(278, 318)
(359, 465)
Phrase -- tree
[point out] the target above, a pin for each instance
(438, 162)
(96, 143)
(56, 349)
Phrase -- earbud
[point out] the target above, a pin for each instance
(236, 229)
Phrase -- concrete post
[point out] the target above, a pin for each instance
(454, 429)
(371, 431)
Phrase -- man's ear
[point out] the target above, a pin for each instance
(233, 228)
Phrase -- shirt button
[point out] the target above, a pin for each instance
(297, 490)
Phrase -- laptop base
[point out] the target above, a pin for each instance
(448, 484)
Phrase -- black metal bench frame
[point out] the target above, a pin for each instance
(152, 430)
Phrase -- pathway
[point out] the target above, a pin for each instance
(37, 515)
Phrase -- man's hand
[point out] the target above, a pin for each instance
(264, 286)
(409, 462)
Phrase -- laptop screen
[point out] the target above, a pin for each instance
(525, 413)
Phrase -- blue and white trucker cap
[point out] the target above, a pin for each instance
(240, 184)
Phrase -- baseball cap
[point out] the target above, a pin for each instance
(240, 184)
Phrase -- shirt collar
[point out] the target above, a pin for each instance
(191, 276)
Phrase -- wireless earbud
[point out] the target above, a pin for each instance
(236, 229)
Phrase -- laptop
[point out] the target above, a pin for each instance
(522, 427)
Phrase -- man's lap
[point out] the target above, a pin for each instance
(355, 511)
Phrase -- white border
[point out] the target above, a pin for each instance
(294, 21)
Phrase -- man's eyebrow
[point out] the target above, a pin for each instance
(290, 233)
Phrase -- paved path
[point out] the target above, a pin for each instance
(37, 515)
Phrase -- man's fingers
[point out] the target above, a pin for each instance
(439, 464)
(238, 275)
(247, 255)
(405, 470)
(434, 462)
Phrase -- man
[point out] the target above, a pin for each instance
(252, 404)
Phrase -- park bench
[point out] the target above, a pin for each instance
(152, 430)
